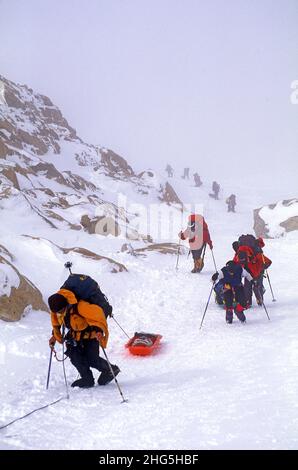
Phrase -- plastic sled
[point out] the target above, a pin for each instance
(143, 344)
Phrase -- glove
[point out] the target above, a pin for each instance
(108, 311)
(57, 334)
(215, 276)
(52, 342)
(211, 245)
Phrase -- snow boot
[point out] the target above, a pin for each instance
(229, 315)
(198, 265)
(106, 376)
(239, 313)
(84, 382)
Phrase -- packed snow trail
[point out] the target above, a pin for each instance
(221, 387)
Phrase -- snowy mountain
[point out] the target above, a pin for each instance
(53, 183)
(219, 387)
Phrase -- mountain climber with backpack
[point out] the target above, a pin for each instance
(198, 236)
(197, 180)
(215, 189)
(169, 170)
(250, 256)
(87, 329)
(231, 202)
(233, 291)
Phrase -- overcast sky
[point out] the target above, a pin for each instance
(200, 83)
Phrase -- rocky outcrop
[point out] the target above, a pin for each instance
(169, 196)
(16, 292)
(117, 166)
(275, 220)
(163, 248)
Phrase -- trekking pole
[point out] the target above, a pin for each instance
(63, 365)
(263, 305)
(49, 369)
(120, 326)
(267, 275)
(204, 251)
(112, 372)
(207, 305)
(213, 259)
(178, 254)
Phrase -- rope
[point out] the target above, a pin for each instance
(31, 412)
(57, 358)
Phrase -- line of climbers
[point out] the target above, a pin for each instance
(241, 277)
(230, 201)
(82, 309)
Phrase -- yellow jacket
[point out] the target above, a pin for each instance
(82, 315)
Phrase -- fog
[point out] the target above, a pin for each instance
(205, 84)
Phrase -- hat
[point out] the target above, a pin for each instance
(231, 265)
(242, 255)
(57, 302)
(235, 246)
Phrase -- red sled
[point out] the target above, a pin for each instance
(143, 344)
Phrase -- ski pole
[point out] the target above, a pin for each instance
(262, 300)
(207, 305)
(63, 365)
(273, 298)
(120, 326)
(204, 251)
(267, 274)
(213, 259)
(49, 369)
(112, 372)
(178, 254)
(263, 305)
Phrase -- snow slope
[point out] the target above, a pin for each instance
(221, 387)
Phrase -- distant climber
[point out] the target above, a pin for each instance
(170, 171)
(197, 180)
(231, 202)
(185, 174)
(215, 189)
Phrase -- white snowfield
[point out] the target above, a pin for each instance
(221, 387)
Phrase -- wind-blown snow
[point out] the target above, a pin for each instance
(221, 387)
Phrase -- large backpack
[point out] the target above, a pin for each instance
(85, 288)
(251, 241)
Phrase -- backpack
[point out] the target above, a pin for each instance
(251, 241)
(85, 288)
